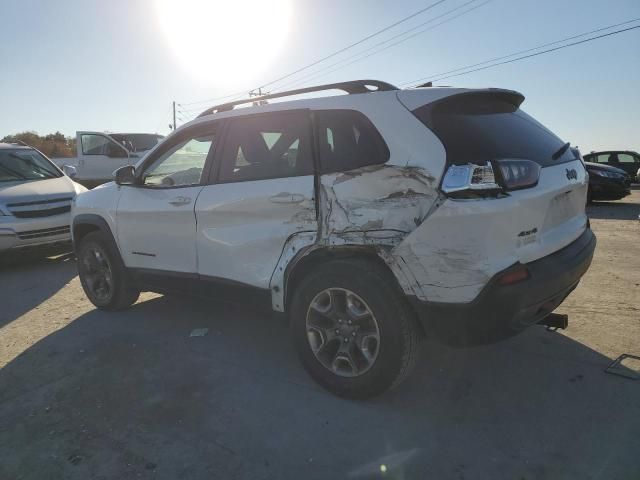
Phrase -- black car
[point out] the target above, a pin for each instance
(607, 183)
(624, 160)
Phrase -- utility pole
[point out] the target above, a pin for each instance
(174, 115)
(258, 93)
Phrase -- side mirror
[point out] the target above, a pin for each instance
(125, 175)
(70, 171)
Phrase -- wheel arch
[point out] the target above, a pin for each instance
(306, 261)
(86, 223)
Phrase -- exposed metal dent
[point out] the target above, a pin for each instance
(377, 210)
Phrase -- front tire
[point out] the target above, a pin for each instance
(103, 275)
(353, 329)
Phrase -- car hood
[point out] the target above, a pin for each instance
(33, 190)
(599, 166)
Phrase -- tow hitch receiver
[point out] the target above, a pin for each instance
(554, 321)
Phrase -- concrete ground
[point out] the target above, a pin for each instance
(92, 395)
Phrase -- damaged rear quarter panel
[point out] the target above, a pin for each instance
(375, 206)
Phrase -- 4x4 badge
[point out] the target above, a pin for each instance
(572, 174)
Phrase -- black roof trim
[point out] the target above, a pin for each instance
(354, 86)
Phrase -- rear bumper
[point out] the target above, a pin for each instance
(501, 311)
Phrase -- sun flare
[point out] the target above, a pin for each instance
(224, 42)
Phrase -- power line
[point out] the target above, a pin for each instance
(522, 57)
(434, 77)
(322, 72)
(327, 67)
(242, 93)
(215, 99)
(337, 52)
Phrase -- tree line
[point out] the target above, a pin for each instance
(52, 145)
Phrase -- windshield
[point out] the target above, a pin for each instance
(137, 142)
(22, 164)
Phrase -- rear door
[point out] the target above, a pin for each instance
(262, 193)
(99, 156)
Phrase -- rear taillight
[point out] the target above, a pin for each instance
(516, 173)
(471, 180)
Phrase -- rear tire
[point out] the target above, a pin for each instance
(103, 275)
(353, 329)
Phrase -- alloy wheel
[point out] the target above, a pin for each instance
(342, 332)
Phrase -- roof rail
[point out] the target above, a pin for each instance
(354, 86)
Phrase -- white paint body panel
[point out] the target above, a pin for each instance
(157, 228)
(455, 252)
(439, 249)
(243, 227)
(101, 201)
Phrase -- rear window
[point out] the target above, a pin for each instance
(347, 140)
(481, 126)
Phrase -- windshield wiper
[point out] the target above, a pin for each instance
(561, 151)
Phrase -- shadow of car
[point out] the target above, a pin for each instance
(132, 395)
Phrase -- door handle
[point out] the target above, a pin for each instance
(287, 198)
(178, 201)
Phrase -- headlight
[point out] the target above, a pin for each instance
(604, 173)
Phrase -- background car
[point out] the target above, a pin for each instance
(624, 160)
(607, 183)
(35, 201)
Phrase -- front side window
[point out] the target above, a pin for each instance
(23, 164)
(100, 145)
(274, 145)
(348, 140)
(181, 165)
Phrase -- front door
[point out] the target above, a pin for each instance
(99, 156)
(263, 193)
(155, 220)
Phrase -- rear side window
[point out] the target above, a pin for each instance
(347, 140)
(481, 126)
(274, 145)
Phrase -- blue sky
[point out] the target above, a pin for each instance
(92, 65)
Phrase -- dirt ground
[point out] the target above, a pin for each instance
(92, 395)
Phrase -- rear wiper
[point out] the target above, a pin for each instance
(561, 151)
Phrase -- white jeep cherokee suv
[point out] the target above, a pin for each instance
(371, 219)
